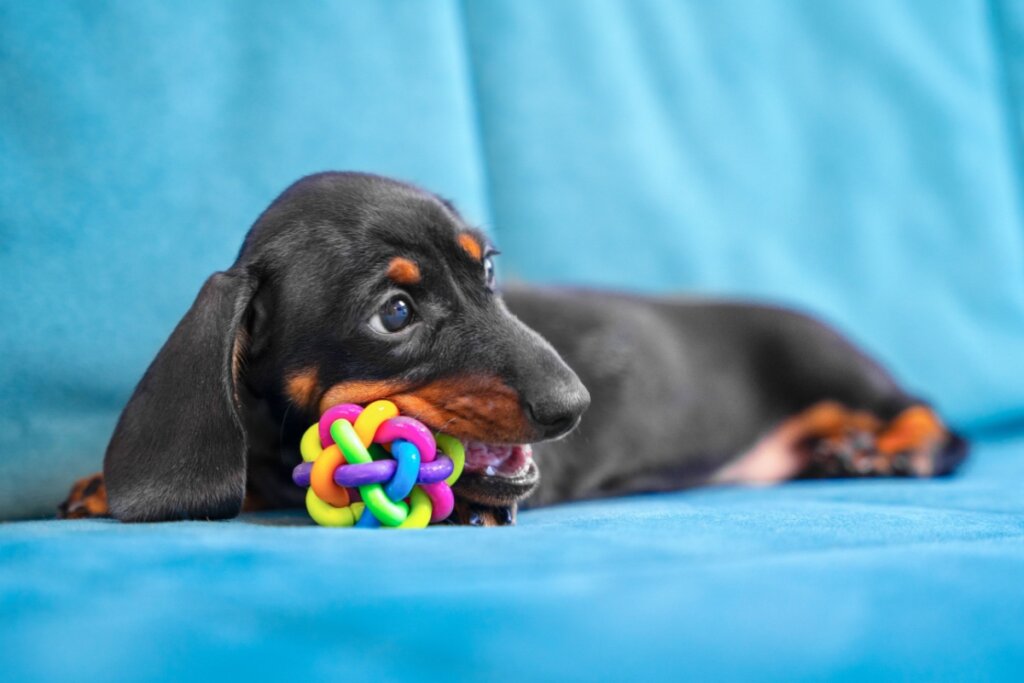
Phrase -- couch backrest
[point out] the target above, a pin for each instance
(860, 160)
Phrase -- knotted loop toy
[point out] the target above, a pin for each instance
(372, 459)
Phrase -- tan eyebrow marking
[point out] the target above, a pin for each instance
(471, 246)
(404, 271)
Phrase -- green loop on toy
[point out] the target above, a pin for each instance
(453, 448)
(389, 513)
(419, 514)
(310, 445)
(344, 434)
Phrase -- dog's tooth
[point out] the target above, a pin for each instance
(491, 470)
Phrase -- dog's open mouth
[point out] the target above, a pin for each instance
(498, 474)
(498, 460)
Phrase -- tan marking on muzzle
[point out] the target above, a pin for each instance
(476, 407)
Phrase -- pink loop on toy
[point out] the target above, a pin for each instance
(345, 411)
(442, 500)
(412, 431)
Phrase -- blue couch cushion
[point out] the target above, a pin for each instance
(869, 580)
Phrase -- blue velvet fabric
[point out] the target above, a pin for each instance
(858, 159)
(874, 581)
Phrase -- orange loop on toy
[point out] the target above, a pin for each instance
(372, 417)
(321, 477)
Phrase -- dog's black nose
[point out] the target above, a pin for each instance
(559, 414)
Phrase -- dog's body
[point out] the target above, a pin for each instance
(682, 389)
(352, 287)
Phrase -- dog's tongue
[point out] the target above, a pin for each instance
(497, 459)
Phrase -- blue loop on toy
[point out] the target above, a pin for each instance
(408, 457)
(367, 520)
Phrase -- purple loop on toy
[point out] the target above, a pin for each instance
(377, 472)
(442, 500)
(300, 474)
(412, 431)
(345, 411)
(439, 470)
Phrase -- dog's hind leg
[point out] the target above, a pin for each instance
(829, 440)
(846, 416)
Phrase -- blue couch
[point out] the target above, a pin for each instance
(862, 161)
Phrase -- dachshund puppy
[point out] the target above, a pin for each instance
(353, 287)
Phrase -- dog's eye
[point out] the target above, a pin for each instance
(394, 315)
(489, 271)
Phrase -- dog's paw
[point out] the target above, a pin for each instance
(914, 444)
(474, 514)
(88, 498)
(853, 454)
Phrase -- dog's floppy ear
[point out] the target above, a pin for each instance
(179, 448)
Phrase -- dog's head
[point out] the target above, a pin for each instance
(349, 288)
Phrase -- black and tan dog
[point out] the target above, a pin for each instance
(354, 287)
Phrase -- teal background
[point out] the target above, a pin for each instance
(860, 160)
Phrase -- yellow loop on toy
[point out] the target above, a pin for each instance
(372, 417)
(453, 448)
(419, 510)
(326, 514)
(310, 445)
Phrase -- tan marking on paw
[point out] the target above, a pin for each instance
(915, 428)
(87, 498)
(467, 513)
